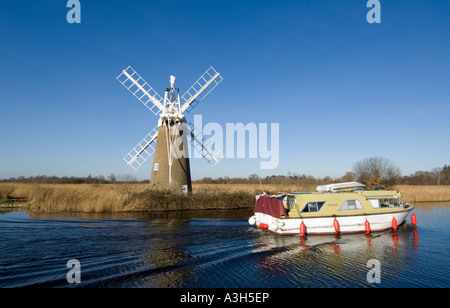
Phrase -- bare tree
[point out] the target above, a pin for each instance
(112, 178)
(437, 172)
(348, 177)
(376, 171)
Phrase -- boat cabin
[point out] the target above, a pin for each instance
(329, 200)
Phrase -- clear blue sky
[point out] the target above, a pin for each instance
(341, 89)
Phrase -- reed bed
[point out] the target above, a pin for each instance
(409, 193)
(156, 200)
(251, 188)
(114, 198)
(66, 197)
(128, 197)
(424, 193)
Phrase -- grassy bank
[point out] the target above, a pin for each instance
(136, 197)
(114, 198)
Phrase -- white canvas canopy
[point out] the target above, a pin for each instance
(339, 187)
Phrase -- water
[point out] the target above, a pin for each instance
(215, 249)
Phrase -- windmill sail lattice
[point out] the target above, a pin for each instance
(141, 90)
(171, 167)
(142, 151)
(205, 147)
(198, 91)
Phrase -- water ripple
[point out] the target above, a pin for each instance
(179, 251)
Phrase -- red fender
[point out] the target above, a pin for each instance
(336, 225)
(367, 226)
(414, 219)
(394, 224)
(302, 229)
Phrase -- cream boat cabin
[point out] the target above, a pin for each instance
(335, 208)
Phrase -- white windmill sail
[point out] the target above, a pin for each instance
(205, 147)
(142, 151)
(200, 89)
(141, 90)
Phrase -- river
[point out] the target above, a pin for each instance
(215, 249)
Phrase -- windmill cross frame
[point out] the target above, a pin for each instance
(171, 111)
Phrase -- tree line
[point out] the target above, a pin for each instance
(100, 179)
(373, 172)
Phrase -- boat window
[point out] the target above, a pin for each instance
(349, 205)
(313, 206)
(391, 202)
(291, 202)
(385, 202)
(375, 203)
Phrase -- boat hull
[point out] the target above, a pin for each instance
(327, 225)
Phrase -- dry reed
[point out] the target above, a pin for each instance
(137, 197)
(424, 193)
(251, 188)
(409, 193)
(115, 198)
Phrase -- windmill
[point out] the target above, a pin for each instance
(168, 140)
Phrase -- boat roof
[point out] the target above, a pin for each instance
(340, 187)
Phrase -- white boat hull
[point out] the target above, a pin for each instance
(326, 225)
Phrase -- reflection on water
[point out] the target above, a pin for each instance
(330, 261)
(214, 249)
(149, 216)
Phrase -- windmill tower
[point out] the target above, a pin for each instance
(168, 140)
